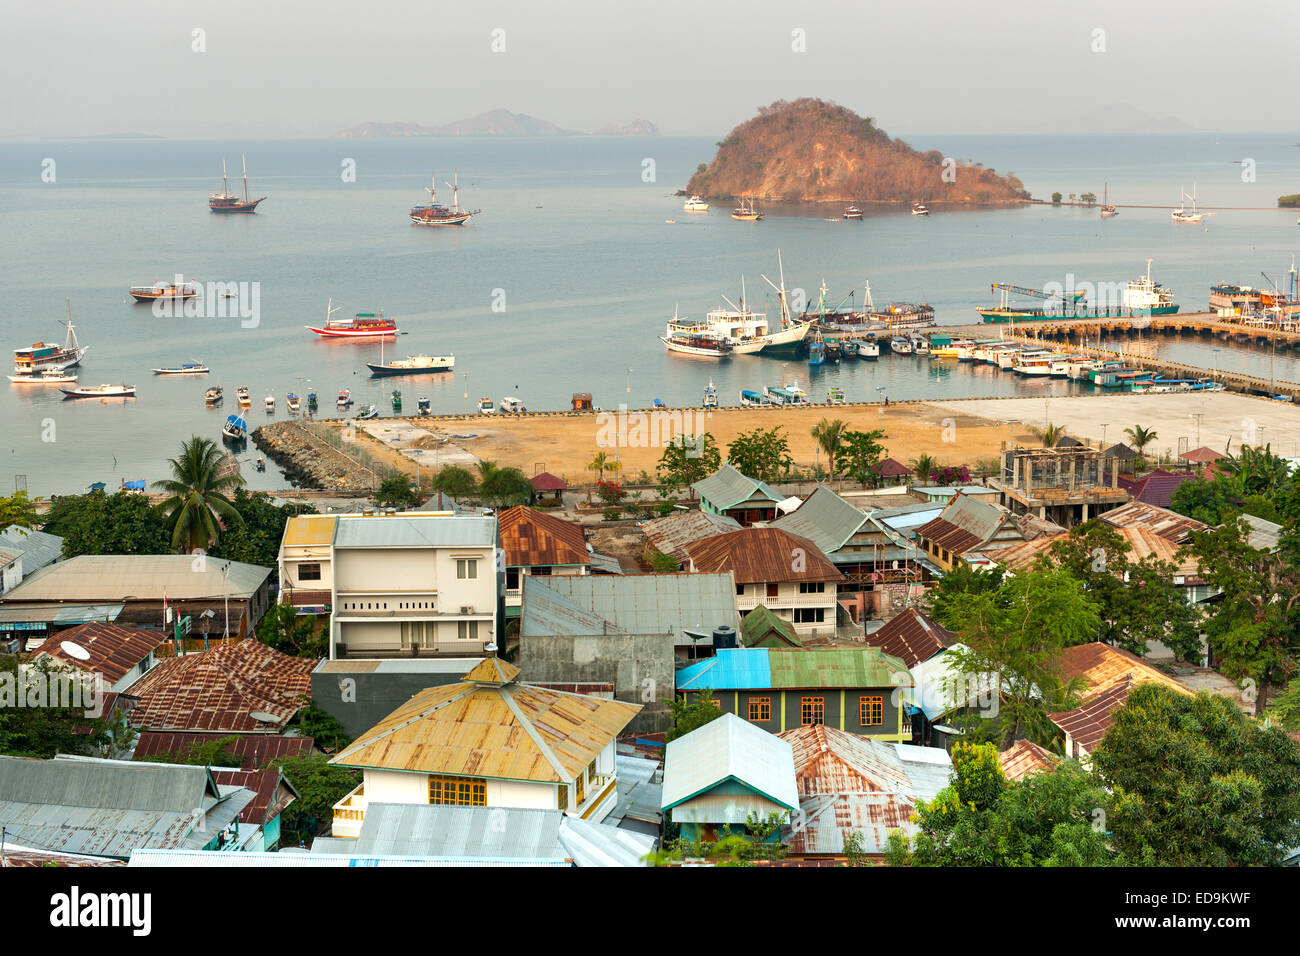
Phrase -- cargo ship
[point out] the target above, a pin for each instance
(164, 290)
(224, 201)
(363, 325)
(1142, 296)
(437, 214)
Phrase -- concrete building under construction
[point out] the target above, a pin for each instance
(1064, 485)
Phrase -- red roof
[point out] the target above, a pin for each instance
(1025, 758)
(1157, 488)
(113, 650)
(1202, 454)
(545, 481)
(911, 636)
(532, 538)
(891, 468)
(254, 751)
(763, 555)
(273, 793)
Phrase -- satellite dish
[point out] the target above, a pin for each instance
(263, 717)
(75, 650)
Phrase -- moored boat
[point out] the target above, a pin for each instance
(100, 391)
(224, 201)
(900, 345)
(789, 394)
(397, 399)
(437, 214)
(710, 395)
(920, 209)
(749, 397)
(869, 349)
(40, 356)
(422, 405)
(693, 341)
(486, 406)
(292, 402)
(413, 365)
(189, 368)
(345, 398)
(853, 212)
(51, 376)
(364, 325)
(213, 395)
(835, 395)
(235, 429)
(269, 402)
(164, 290)
(695, 204)
(242, 396)
(746, 212)
(512, 406)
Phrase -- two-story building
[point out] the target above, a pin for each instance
(538, 544)
(728, 492)
(489, 740)
(967, 527)
(787, 574)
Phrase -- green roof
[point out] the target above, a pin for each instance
(726, 488)
(759, 625)
(825, 519)
(836, 667)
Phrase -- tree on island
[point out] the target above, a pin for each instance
(198, 502)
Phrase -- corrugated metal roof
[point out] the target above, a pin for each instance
(761, 623)
(671, 534)
(305, 530)
(415, 531)
(1025, 758)
(727, 749)
(825, 519)
(506, 731)
(727, 487)
(1101, 665)
(532, 538)
(112, 577)
(37, 547)
(966, 522)
(1142, 542)
(1264, 535)
(763, 555)
(754, 668)
(1162, 521)
(1087, 724)
(113, 651)
(629, 604)
(254, 750)
(338, 856)
(271, 790)
(912, 637)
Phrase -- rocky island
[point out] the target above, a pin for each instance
(812, 150)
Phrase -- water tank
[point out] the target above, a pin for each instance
(724, 637)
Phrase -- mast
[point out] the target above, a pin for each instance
(225, 188)
(433, 188)
(455, 190)
(245, 162)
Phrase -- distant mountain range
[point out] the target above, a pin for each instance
(499, 122)
(1126, 118)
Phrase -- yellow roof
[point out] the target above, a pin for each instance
(309, 529)
(492, 670)
(508, 731)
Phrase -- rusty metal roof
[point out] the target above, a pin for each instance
(1168, 524)
(509, 731)
(1142, 543)
(254, 751)
(272, 792)
(221, 688)
(305, 530)
(671, 534)
(1088, 722)
(1025, 758)
(492, 670)
(912, 636)
(825, 519)
(532, 538)
(1101, 665)
(113, 650)
(965, 522)
(763, 555)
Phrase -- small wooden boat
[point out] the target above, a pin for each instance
(189, 368)
(241, 394)
(51, 376)
(311, 401)
(235, 429)
(164, 290)
(292, 402)
(397, 400)
(100, 391)
(920, 209)
(345, 398)
(213, 395)
(835, 395)
(366, 325)
(260, 464)
(270, 404)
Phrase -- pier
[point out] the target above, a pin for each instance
(1203, 324)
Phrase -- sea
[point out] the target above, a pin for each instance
(563, 283)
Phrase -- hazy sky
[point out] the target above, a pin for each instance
(296, 68)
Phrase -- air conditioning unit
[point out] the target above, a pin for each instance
(467, 609)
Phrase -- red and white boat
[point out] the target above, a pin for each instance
(365, 325)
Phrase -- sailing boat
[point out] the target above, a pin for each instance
(746, 212)
(1181, 214)
(1107, 210)
(224, 201)
(41, 357)
(436, 214)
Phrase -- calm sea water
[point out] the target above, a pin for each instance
(575, 243)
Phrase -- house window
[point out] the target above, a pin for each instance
(760, 708)
(772, 590)
(309, 572)
(458, 791)
(591, 771)
(467, 630)
(562, 796)
(512, 579)
(812, 587)
(740, 589)
(809, 615)
(540, 572)
(467, 568)
(812, 710)
(871, 711)
(417, 634)
(580, 791)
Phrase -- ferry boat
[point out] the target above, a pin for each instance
(710, 396)
(835, 395)
(51, 376)
(746, 212)
(853, 212)
(225, 202)
(242, 396)
(235, 429)
(100, 391)
(39, 356)
(750, 398)
(364, 325)
(213, 395)
(486, 406)
(1181, 214)
(512, 406)
(790, 394)
(164, 290)
(869, 349)
(189, 368)
(436, 214)
(345, 398)
(692, 341)
(920, 209)
(292, 402)
(269, 402)
(695, 204)
(413, 365)
(1033, 362)
(900, 345)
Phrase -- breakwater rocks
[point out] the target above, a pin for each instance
(310, 462)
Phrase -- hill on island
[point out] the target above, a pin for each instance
(812, 150)
(499, 122)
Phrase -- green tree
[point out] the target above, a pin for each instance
(828, 435)
(320, 785)
(860, 452)
(923, 466)
(1284, 708)
(39, 729)
(455, 481)
(1056, 198)
(1049, 435)
(18, 509)
(504, 488)
(598, 464)
(762, 453)
(1198, 783)
(198, 501)
(947, 595)
(395, 491)
(284, 630)
(99, 523)
(690, 714)
(324, 728)
(255, 538)
(686, 461)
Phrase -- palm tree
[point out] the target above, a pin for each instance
(1141, 437)
(923, 466)
(599, 464)
(1048, 435)
(828, 435)
(198, 502)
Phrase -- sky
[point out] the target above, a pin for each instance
(291, 68)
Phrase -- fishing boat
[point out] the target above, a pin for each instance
(835, 395)
(311, 401)
(695, 204)
(920, 209)
(486, 406)
(1107, 210)
(269, 402)
(900, 315)
(437, 214)
(189, 368)
(292, 402)
(100, 391)
(213, 395)
(869, 349)
(260, 464)
(366, 325)
(40, 356)
(710, 396)
(1181, 214)
(345, 398)
(746, 212)
(692, 341)
(900, 345)
(51, 376)
(422, 405)
(834, 349)
(853, 212)
(789, 394)
(411, 365)
(368, 411)
(164, 290)
(242, 396)
(817, 351)
(225, 202)
(512, 406)
(235, 429)
(397, 400)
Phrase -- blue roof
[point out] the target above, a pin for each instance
(729, 670)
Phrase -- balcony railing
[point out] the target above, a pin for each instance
(350, 812)
(748, 601)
